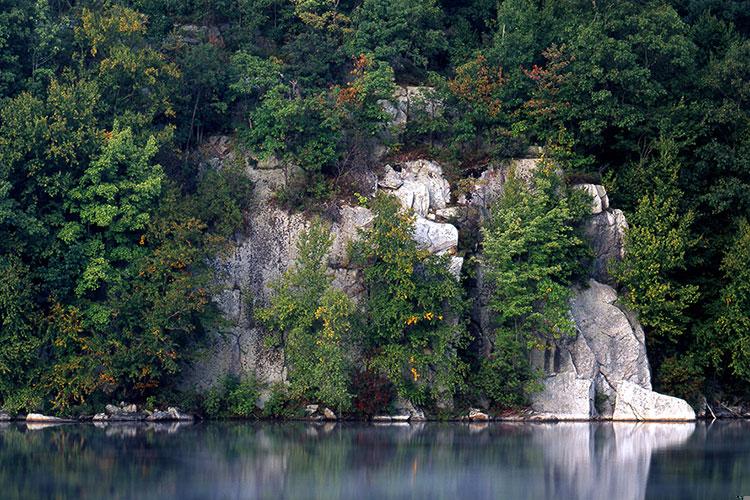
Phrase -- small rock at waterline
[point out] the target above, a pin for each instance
(38, 417)
(328, 413)
(4, 417)
(478, 415)
(172, 414)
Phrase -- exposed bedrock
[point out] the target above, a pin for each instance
(589, 375)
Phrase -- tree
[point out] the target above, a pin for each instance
(728, 342)
(656, 246)
(405, 33)
(531, 256)
(311, 321)
(412, 320)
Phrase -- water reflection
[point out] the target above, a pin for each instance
(299, 460)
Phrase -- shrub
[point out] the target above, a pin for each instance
(232, 397)
(373, 393)
(280, 404)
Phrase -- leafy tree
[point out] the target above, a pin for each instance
(412, 322)
(136, 80)
(532, 254)
(406, 34)
(728, 342)
(656, 244)
(302, 130)
(311, 321)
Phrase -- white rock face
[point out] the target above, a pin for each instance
(434, 236)
(269, 247)
(489, 186)
(347, 230)
(609, 347)
(414, 195)
(605, 232)
(419, 185)
(430, 174)
(566, 397)
(390, 179)
(599, 198)
(609, 353)
(636, 403)
(408, 101)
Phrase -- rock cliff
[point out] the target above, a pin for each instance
(602, 372)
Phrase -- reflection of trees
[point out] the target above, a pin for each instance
(292, 460)
(717, 455)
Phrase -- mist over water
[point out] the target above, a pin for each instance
(332, 461)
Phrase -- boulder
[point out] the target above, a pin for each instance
(406, 407)
(609, 346)
(131, 408)
(171, 414)
(435, 237)
(430, 174)
(565, 397)
(329, 414)
(100, 417)
(4, 417)
(419, 186)
(390, 179)
(636, 403)
(414, 195)
(176, 414)
(476, 415)
(124, 412)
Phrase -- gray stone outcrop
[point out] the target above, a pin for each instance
(565, 397)
(636, 403)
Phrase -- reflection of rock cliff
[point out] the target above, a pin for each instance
(588, 376)
(608, 460)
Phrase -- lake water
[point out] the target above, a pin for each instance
(360, 461)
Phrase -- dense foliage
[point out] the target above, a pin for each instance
(412, 322)
(532, 255)
(312, 321)
(107, 224)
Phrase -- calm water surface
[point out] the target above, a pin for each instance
(332, 461)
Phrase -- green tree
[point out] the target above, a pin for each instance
(412, 324)
(728, 342)
(406, 34)
(531, 256)
(311, 322)
(656, 246)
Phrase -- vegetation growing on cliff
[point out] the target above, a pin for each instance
(107, 222)
(532, 254)
(312, 323)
